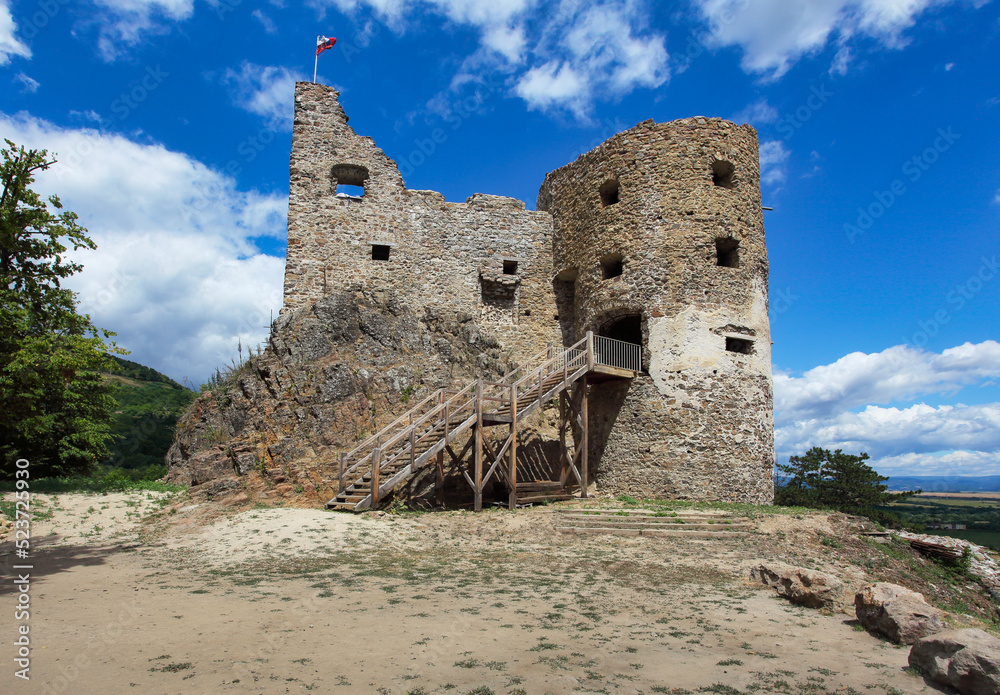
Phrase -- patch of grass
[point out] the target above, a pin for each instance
(730, 662)
(173, 668)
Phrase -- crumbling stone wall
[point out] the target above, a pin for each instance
(675, 209)
(489, 256)
(655, 236)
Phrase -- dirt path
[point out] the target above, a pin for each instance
(290, 600)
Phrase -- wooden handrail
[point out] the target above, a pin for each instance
(532, 382)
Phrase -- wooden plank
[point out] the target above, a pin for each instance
(478, 485)
(512, 480)
(585, 433)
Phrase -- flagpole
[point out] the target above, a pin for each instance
(316, 62)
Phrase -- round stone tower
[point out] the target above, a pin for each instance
(659, 240)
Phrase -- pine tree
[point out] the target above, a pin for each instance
(56, 407)
(821, 479)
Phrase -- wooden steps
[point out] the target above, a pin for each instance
(629, 522)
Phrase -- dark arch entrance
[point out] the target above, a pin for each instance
(626, 328)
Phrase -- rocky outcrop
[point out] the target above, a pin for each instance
(981, 565)
(966, 660)
(896, 612)
(331, 373)
(799, 585)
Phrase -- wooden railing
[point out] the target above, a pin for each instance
(408, 442)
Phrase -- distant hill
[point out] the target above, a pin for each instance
(948, 483)
(148, 405)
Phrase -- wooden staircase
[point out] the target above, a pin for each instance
(436, 425)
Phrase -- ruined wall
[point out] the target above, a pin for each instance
(662, 226)
(656, 236)
(487, 257)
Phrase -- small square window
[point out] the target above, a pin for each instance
(612, 266)
(380, 252)
(727, 253)
(510, 267)
(740, 345)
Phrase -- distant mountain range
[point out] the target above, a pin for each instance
(945, 483)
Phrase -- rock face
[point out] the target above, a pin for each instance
(896, 612)
(332, 372)
(799, 585)
(967, 660)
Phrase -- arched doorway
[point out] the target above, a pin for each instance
(627, 328)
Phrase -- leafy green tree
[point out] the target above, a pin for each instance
(56, 406)
(824, 480)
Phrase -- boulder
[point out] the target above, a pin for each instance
(799, 585)
(896, 612)
(967, 660)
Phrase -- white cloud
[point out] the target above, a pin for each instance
(845, 405)
(27, 84)
(265, 90)
(774, 34)
(882, 431)
(562, 55)
(897, 374)
(773, 156)
(124, 23)
(756, 113)
(972, 463)
(176, 273)
(10, 45)
(266, 22)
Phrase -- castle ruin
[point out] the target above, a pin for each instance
(655, 237)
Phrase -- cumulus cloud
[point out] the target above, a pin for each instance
(773, 157)
(27, 84)
(562, 55)
(847, 405)
(124, 23)
(176, 274)
(265, 90)
(896, 374)
(774, 34)
(10, 45)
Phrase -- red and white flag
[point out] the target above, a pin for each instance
(323, 43)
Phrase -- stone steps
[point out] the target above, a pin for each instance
(629, 522)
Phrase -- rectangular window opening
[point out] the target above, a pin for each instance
(510, 267)
(380, 252)
(612, 266)
(740, 345)
(345, 190)
(727, 253)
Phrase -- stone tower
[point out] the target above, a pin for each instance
(659, 239)
(654, 237)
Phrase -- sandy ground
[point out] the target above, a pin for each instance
(202, 600)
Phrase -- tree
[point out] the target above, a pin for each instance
(56, 406)
(821, 479)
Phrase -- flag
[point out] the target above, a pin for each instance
(323, 43)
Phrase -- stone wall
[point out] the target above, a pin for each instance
(662, 226)
(656, 236)
(488, 257)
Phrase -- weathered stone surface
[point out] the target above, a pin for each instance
(967, 660)
(896, 612)
(799, 585)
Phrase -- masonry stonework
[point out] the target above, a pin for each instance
(654, 237)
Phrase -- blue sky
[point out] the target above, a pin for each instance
(879, 150)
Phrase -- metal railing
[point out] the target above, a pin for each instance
(617, 353)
